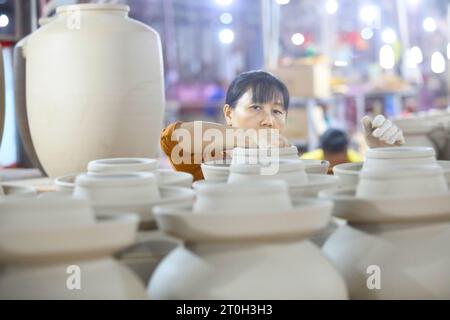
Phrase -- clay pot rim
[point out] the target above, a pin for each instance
(92, 7)
(122, 165)
(307, 217)
(376, 210)
(64, 242)
(114, 180)
(400, 153)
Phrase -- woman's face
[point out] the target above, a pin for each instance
(250, 115)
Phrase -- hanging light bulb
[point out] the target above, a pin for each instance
(387, 57)
(331, 6)
(298, 39)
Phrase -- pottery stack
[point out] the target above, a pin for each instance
(395, 243)
(54, 248)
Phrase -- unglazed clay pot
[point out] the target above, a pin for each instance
(80, 106)
(136, 192)
(58, 258)
(246, 254)
(348, 174)
(20, 103)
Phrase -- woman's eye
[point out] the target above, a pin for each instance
(255, 107)
(278, 112)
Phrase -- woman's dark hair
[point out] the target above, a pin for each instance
(265, 87)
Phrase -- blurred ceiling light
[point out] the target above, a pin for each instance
(298, 39)
(369, 13)
(414, 57)
(332, 6)
(367, 33)
(437, 62)
(429, 24)
(340, 63)
(4, 20)
(387, 57)
(226, 36)
(283, 2)
(226, 18)
(224, 2)
(388, 36)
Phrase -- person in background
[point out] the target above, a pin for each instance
(334, 148)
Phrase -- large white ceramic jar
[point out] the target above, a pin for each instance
(94, 88)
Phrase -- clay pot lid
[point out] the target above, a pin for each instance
(122, 165)
(63, 243)
(387, 209)
(116, 180)
(306, 218)
(400, 153)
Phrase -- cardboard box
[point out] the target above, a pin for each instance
(306, 80)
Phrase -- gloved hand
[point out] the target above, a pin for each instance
(381, 132)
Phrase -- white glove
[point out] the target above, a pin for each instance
(381, 132)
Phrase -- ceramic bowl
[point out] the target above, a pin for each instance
(117, 188)
(316, 183)
(293, 172)
(381, 158)
(396, 182)
(116, 165)
(165, 178)
(253, 156)
(244, 198)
